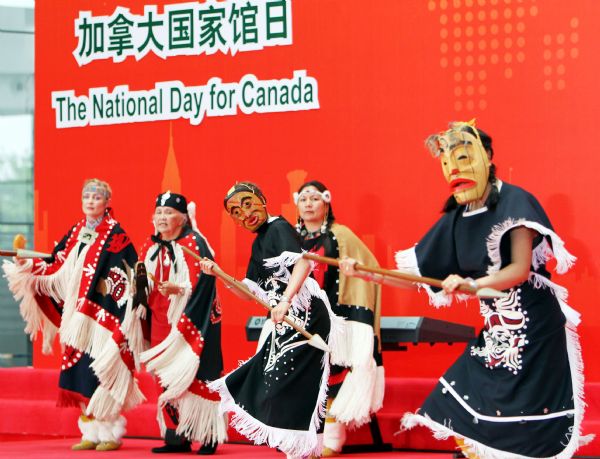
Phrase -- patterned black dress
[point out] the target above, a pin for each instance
(517, 390)
(278, 396)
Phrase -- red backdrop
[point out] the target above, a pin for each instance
(389, 73)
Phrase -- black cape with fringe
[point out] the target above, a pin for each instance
(106, 293)
(517, 388)
(279, 394)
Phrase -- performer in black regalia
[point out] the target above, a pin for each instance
(81, 292)
(517, 391)
(355, 391)
(185, 329)
(278, 396)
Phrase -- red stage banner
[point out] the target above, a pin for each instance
(194, 96)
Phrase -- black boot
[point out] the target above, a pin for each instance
(208, 449)
(173, 444)
(166, 448)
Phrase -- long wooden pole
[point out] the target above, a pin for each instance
(485, 292)
(24, 253)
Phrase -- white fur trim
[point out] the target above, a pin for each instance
(578, 381)
(112, 431)
(321, 409)
(541, 254)
(21, 284)
(200, 419)
(256, 290)
(88, 429)
(334, 436)
(175, 364)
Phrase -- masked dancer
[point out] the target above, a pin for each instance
(185, 329)
(278, 396)
(356, 391)
(517, 390)
(81, 292)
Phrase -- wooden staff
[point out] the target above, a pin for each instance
(484, 292)
(314, 340)
(24, 253)
(20, 251)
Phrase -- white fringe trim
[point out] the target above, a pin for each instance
(200, 419)
(354, 402)
(292, 442)
(63, 285)
(321, 408)
(406, 261)
(177, 303)
(103, 405)
(352, 405)
(541, 254)
(283, 261)
(310, 288)
(88, 429)
(175, 364)
(358, 343)
(132, 330)
(578, 380)
(302, 301)
(440, 432)
(561, 294)
(21, 284)
(118, 388)
(379, 392)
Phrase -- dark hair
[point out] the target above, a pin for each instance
(244, 186)
(321, 187)
(494, 195)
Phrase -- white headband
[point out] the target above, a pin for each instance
(325, 195)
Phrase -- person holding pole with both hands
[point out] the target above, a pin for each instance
(79, 291)
(278, 396)
(517, 390)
